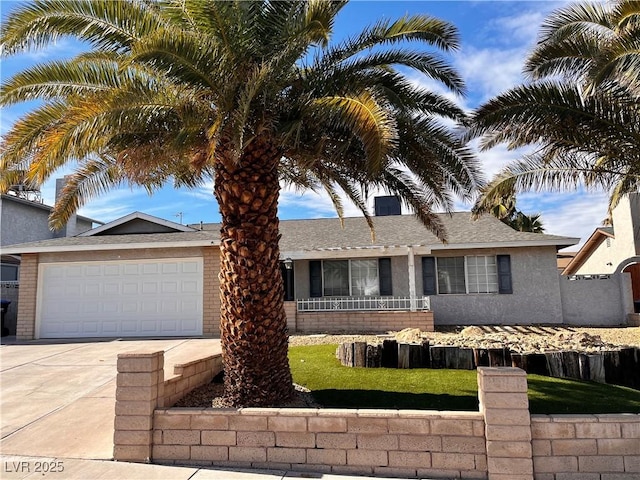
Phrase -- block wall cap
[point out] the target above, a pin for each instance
(141, 354)
(501, 371)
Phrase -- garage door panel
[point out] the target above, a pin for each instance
(111, 270)
(190, 267)
(93, 271)
(121, 299)
(190, 287)
(150, 269)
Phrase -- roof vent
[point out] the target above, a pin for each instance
(385, 206)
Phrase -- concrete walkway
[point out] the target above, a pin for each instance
(58, 399)
(57, 403)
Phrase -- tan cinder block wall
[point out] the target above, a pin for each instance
(141, 388)
(586, 447)
(371, 442)
(26, 320)
(504, 404)
(189, 376)
(361, 322)
(501, 442)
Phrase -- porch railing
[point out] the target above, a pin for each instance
(355, 304)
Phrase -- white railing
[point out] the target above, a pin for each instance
(355, 304)
(10, 283)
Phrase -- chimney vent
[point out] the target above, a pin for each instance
(388, 205)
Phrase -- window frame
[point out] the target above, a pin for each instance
(376, 261)
(466, 275)
(12, 266)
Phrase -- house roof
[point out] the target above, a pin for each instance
(132, 217)
(581, 256)
(325, 237)
(402, 231)
(42, 206)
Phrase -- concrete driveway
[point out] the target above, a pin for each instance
(58, 399)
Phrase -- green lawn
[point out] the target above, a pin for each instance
(336, 386)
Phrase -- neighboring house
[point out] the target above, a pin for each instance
(24, 220)
(143, 276)
(613, 249)
(563, 259)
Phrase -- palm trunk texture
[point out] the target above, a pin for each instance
(253, 323)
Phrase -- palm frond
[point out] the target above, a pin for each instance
(367, 119)
(105, 24)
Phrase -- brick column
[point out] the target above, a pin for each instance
(504, 404)
(27, 297)
(140, 390)
(291, 310)
(211, 292)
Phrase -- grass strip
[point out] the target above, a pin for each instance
(333, 385)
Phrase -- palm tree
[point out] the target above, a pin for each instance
(581, 112)
(527, 223)
(251, 94)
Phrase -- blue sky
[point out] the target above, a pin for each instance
(496, 36)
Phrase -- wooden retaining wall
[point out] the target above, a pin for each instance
(619, 367)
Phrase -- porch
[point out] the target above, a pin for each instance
(358, 314)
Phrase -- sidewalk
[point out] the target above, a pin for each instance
(30, 468)
(57, 403)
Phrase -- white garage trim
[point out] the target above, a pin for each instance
(120, 298)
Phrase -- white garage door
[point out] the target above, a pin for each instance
(120, 298)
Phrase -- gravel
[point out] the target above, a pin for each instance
(523, 339)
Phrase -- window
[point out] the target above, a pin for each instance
(471, 274)
(482, 273)
(335, 274)
(451, 275)
(350, 278)
(8, 272)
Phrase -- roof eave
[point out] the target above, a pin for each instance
(397, 250)
(111, 246)
(596, 238)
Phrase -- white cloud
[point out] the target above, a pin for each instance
(575, 214)
(521, 28)
(490, 71)
(112, 205)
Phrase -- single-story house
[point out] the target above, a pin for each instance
(144, 276)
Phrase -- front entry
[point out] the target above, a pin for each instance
(634, 270)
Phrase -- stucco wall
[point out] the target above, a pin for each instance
(301, 279)
(20, 223)
(626, 224)
(612, 251)
(400, 276)
(606, 257)
(595, 300)
(535, 297)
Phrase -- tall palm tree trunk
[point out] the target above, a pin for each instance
(253, 323)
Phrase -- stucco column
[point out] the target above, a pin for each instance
(412, 277)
